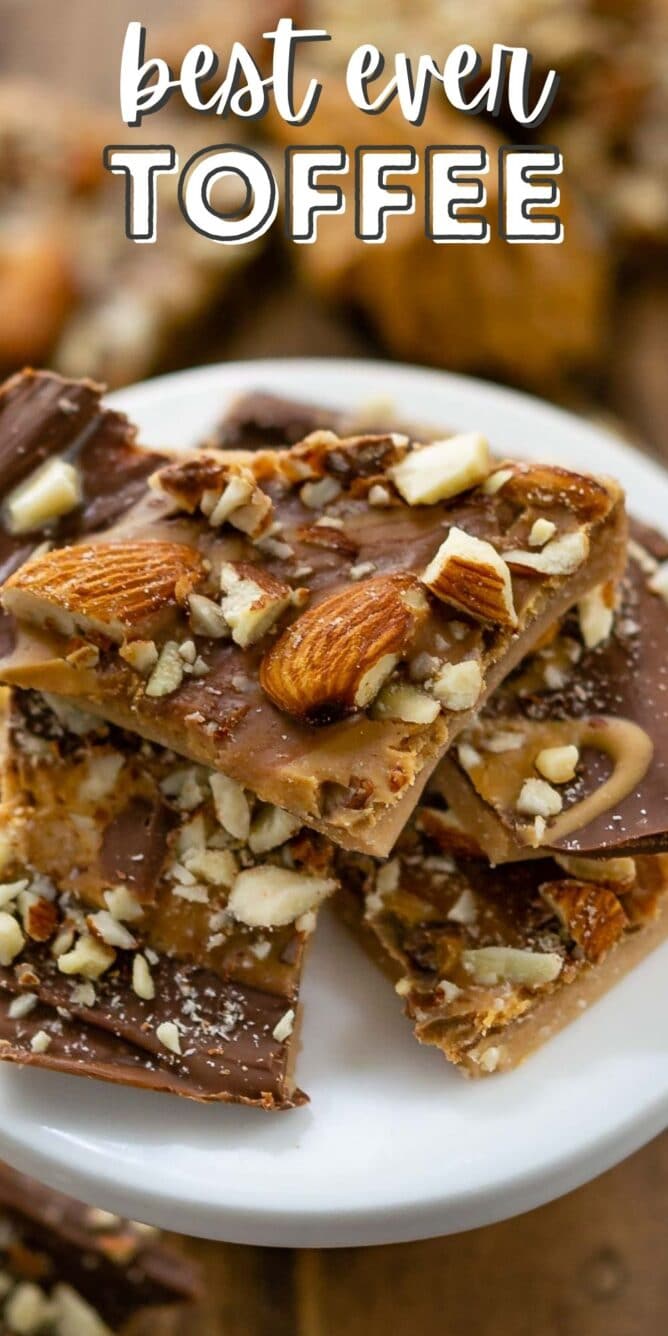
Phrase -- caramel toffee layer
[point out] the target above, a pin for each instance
(608, 701)
(491, 963)
(167, 896)
(114, 1266)
(292, 619)
(44, 418)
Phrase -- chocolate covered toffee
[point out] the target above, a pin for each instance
(318, 622)
(68, 467)
(491, 963)
(154, 917)
(67, 1269)
(570, 754)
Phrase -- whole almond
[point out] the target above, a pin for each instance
(320, 668)
(113, 589)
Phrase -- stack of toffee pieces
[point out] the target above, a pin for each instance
(310, 660)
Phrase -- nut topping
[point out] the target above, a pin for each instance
(458, 685)
(336, 656)
(541, 532)
(558, 764)
(206, 617)
(118, 591)
(167, 675)
(538, 798)
(468, 573)
(592, 916)
(253, 601)
(51, 491)
(88, 957)
(12, 940)
(596, 611)
(561, 556)
(438, 471)
(225, 492)
(269, 897)
(489, 965)
(401, 700)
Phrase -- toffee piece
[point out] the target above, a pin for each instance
(154, 916)
(68, 467)
(491, 963)
(571, 754)
(350, 604)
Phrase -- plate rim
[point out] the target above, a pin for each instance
(313, 1225)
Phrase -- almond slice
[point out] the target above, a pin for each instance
(489, 965)
(253, 602)
(592, 916)
(51, 491)
(596, 613)
(435, 472)
(269, 897)
(609, 871)
(468, 573)
(231, 805)
(561, 556)
(271, 828)
(119, 591)
(336, 656)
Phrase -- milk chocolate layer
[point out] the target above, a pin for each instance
(228, 1049)
(261, 419)
(623, 680)
(117, 1266)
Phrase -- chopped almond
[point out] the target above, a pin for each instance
(469, 574)
(435, 472)
(596, 612)
(458, 685)
(253, 602)
(561, 556)
(52, 490)
(269, 897)
(489, 965)
(401, 700)
(558, 764)
(538, 798)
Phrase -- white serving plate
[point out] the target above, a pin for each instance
(395, 1145)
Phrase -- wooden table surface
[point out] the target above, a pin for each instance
(591, 1264)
